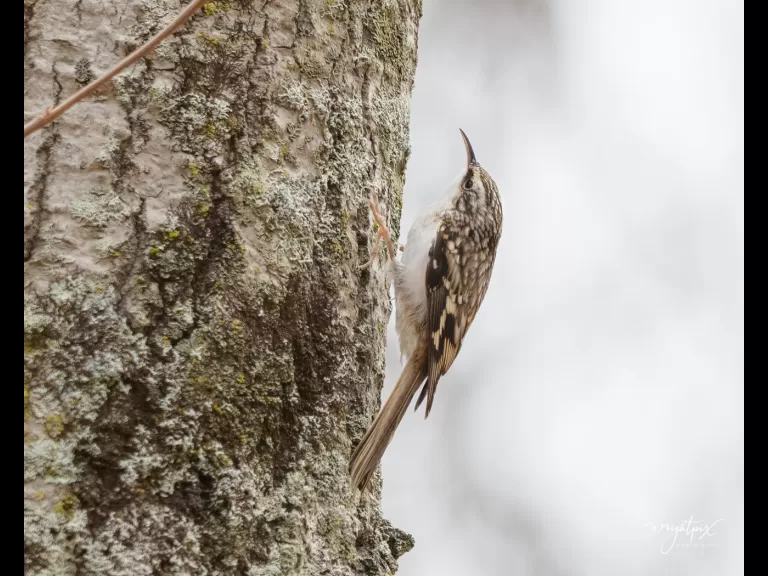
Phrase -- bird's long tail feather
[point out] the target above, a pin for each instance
(369, 451)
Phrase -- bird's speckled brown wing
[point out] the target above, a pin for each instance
(446, 309)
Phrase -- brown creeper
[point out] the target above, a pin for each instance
(440, 283)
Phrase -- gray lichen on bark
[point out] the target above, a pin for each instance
(201, 350)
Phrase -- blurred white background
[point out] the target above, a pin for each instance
(600, 388)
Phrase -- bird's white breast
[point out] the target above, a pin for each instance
(410, 275)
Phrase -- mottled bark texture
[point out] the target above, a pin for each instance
(201, 351)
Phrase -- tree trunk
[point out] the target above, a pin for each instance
(201, 350)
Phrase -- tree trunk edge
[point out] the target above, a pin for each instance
(201, 351)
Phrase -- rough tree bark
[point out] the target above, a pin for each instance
(201, 351)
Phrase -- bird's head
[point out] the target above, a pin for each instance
(476, 188)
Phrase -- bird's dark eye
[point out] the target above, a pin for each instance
(468, 184)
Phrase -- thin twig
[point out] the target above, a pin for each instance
(52, 113)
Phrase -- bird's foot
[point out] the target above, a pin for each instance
(378, 218)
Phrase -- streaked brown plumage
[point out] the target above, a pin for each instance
(439, 285)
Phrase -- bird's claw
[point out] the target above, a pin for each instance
(378, 218)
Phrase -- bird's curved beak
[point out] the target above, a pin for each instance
(471, 160)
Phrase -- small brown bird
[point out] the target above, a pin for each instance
(439, 285)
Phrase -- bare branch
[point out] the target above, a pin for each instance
(52, 113)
